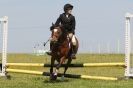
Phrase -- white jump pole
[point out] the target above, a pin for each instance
(4, 23)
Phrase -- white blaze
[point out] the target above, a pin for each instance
(55, 30)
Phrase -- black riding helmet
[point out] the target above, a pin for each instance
(68, 7)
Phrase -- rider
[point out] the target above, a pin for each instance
(67, 20)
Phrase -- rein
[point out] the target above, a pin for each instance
(46, 42)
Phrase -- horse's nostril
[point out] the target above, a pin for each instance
(53, 41)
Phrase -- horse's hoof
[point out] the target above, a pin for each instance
(53, 77)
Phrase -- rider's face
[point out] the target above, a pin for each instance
(69, 11)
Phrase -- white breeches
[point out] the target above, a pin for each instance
(73, 39)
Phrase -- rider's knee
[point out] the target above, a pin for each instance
(74, 40)
(72, 37)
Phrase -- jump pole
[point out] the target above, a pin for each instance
(71, 65)
(59, 75)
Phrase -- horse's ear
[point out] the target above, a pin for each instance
(52, 27)
(52, 24)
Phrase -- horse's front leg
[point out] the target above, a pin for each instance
(51, 68)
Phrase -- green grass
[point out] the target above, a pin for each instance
(36, 81)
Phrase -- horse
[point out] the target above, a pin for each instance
(61, 49)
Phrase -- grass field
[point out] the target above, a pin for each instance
(36, 81)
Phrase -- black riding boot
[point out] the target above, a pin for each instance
(74, 51)
(50, 51)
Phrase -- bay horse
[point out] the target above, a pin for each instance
(61, 49)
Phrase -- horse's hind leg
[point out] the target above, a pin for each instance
(67, 65)
(60, 63)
